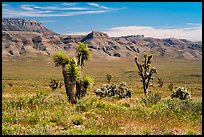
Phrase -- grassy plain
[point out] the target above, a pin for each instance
(29, 106)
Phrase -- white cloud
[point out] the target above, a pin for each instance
(50, 11)
(10, 13)
(26, 7)
(5, 5)
(189, 33)
(99, 6)
(68, 4)
(59, 8)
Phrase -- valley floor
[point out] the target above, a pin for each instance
(29, 106)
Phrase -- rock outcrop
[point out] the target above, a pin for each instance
(21, 37)
(10, 24)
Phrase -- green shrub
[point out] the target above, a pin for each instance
(190, 132)
(89, 132)
(87, 81)
(85, 104)
(151, 98)
(77, 119)
(7, 130)
(145, 131)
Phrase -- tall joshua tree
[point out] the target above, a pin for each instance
(69, 71)
(145, 71)
(83, 54)
(72, 73)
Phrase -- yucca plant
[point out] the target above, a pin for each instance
(83, 54)
(70, 72)
(145, 71)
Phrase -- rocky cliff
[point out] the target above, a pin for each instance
(10, 24)
(31, 38)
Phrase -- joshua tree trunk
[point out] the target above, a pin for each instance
(145, 88)
(65, 82)
(68, 87)
(70, 93)
(78, 89)
(78, 83)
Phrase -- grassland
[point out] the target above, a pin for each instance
(29, 106)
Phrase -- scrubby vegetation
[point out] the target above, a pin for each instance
(181, 93)
(46, 113)
(121, 91)
(54, 84)
(30, 107)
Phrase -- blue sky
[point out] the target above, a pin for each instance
(154, 19)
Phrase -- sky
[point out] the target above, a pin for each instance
(181, 20)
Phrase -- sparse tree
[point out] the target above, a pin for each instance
(145, 71)
(83, 54)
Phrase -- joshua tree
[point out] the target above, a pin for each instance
(109, 76)
(145, 71)
(83, 54)
(72, 74)
(69, 71)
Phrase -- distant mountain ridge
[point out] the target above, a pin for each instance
(31, 37)
(15, 24)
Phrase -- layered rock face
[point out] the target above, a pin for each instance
(9, 24)
(23, 37)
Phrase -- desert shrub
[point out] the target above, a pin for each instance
(181, 93)
(86, 83)
(190, 132)
(145, 131)
(126, 105)
(151, 98)
(160, 82)
(109, 76)
(53, 84)
(171, 86)
(85, 104)
(10, 84)
(89, 132)
(77, 119)
(177, 105)
(121, 91)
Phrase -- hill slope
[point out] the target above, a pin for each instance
(20, 38)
